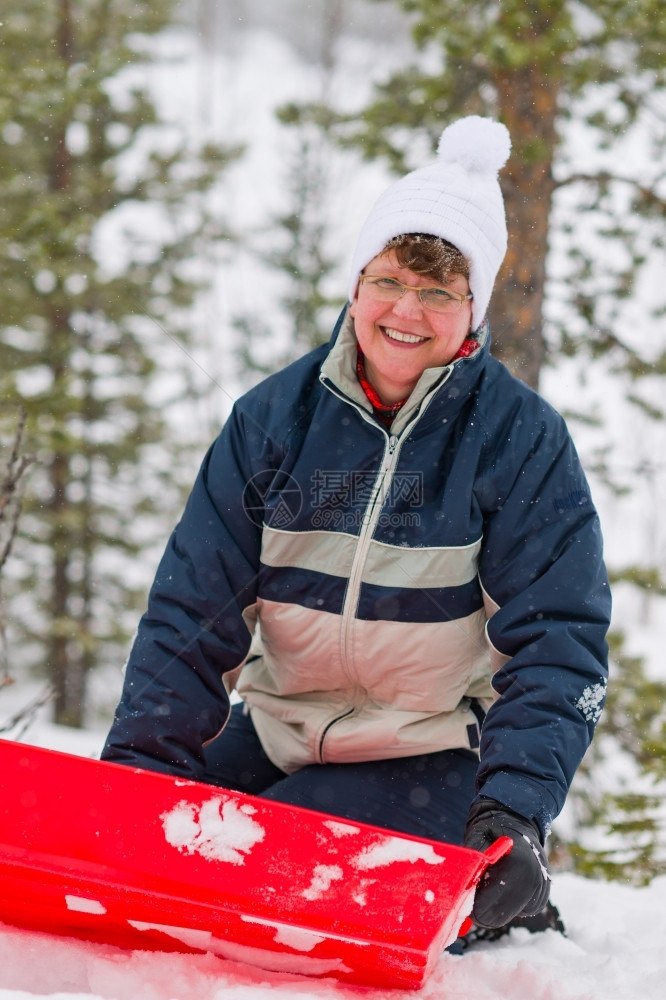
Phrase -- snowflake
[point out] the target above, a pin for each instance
(591, 701)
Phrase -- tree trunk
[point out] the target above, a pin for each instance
(64, 672)
(59, 625)
(527, 104)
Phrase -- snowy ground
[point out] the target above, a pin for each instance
(614, 949)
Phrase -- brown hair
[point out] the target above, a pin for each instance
(429, 256)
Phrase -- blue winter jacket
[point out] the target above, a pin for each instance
(437, 585)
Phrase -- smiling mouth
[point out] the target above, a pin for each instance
(403, 338)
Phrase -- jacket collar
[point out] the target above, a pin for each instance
(339, 368)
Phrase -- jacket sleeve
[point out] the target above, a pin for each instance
(547, 592)
(173, 699)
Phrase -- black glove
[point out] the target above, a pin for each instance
(518, 885)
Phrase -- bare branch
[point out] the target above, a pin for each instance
(11, 488)
(11, 499)
(18, 723)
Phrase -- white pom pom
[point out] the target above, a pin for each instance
(477, 144)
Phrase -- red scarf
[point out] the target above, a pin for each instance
(386, 412)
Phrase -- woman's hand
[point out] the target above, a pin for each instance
(519, 884)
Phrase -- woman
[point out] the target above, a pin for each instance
(406, 532)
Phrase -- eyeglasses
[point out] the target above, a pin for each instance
(390, 290)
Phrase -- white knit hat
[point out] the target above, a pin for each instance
(457, 198)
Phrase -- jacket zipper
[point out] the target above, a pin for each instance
(370, 516)
(365, 536)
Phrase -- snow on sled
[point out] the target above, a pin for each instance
(147, 861)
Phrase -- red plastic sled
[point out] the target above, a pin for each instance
(146, 861)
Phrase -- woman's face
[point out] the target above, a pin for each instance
(401, 339)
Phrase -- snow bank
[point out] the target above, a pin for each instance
(613, 951)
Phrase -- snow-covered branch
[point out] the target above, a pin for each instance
(648, 195)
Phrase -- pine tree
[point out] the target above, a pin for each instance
(619, 818)
(101, 212)
(301, 260)
(298, 252)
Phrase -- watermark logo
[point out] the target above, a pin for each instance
(272, 498)
(352, 518)
(338, 498)
(355, 488)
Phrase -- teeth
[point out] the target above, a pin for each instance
(406, 338)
